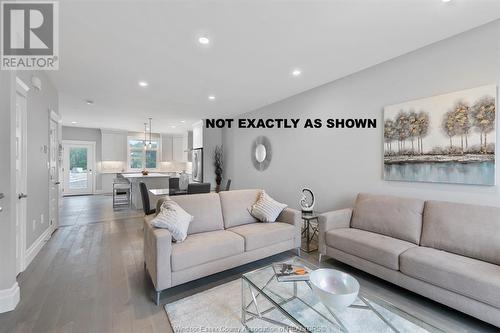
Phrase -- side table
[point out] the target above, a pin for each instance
(309, 230)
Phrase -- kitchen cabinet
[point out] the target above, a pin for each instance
(114, 145)
(188, 145)
(197, 135)
(167, 148)
(178, 149)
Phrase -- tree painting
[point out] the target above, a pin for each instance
(389, 133)
(423, 129)
(448, 126)
(448, 138)
(483, 114)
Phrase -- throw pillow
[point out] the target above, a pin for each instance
(173, 218)
(266, 209)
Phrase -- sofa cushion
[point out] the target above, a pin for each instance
(379, 249)
(235, 206)
(469, 230)
(205, 247)
(466, 276)
(387, 215)
(258, 235)
(205, 209)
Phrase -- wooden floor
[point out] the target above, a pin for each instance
(90, 278)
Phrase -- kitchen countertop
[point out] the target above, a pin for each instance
(140, 175)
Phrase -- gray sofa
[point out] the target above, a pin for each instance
(222, 235)
(448, 252)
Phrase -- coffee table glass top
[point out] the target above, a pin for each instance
(292, 305)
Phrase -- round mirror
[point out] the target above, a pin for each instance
(260, 153)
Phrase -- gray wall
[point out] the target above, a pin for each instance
(39, 104)
(338, 163)
(87, 134)
(7, 222)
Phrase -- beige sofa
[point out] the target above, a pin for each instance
(448, 252)
(222, 235)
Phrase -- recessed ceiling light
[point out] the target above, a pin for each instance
(296, 72)
(211, 97)
(143, 83)
(73, 122)
(173, 126)
(445, 0)
(203, 40)
(89, 102)
(183, 121)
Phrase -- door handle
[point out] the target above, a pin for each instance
(57, 183)
(22, 196)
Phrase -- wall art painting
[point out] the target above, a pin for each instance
(444, 139)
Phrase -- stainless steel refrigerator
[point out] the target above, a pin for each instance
(197, 160)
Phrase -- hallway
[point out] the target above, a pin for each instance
(78, 210)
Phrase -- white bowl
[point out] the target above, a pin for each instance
(335, 289)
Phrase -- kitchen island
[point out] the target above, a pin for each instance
(153, 180)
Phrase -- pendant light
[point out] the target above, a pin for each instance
(145, 133)
(150, 132)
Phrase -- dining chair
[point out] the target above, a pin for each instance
(173, 185)
(146, 206)
(195, 188)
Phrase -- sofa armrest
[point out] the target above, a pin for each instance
(157, 252)
(293, 217)
(332, 220)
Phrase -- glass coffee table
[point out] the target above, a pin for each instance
(292, 307)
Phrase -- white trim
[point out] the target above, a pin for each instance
(20, 83)
(9, 298)
(79, 142)
(37, 245)
(55, 116)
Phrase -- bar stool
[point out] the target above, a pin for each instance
(122, 193)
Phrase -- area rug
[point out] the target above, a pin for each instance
(219, 310)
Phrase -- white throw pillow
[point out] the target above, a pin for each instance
(173, 218)
(266, 209)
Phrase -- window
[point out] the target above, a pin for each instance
(140, 156)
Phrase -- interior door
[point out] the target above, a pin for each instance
(21, 177)
(78, 168)
(54, 181)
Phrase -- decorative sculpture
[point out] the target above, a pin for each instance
(307, 204)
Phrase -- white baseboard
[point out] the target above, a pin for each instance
(37, 245)
(9, 298)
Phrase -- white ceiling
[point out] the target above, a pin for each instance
(106, 47)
